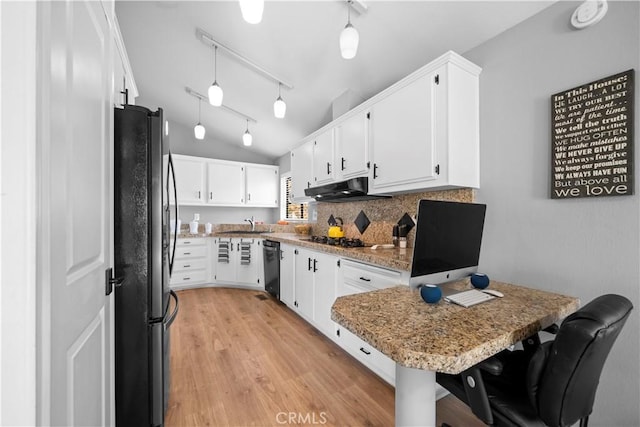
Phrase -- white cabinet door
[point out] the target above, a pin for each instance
(225, 183)
(248, 254)
(402, 136)
(225, 255)
(301, 171)
(324, 291)
(287, 295)
(190, 174)
(238, 261)
(125, 90)
(352, 139)
(323, 166)
(304, 283)
(263, 185)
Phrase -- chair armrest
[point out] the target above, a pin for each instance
(477, 398)
(552, 329)
(491, 366)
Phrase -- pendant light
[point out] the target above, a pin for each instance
(198, 129)
(246, 137)
(252, 10)
(279, 107)
(215, 91)
(349, 37)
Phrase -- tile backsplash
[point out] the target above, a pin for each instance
(383, 213)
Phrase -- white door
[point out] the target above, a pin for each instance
(324, 291)
(303, 279)
(247, 262)
(227, 259)
(189, 180)
(301, 171)
(402, 136)
(352, 138)
(323, 158)
(225, 183)
(286, 274)
(75, 243)
(263, 185)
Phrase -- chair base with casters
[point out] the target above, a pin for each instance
(549, 384)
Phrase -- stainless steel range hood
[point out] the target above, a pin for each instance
(351, 190)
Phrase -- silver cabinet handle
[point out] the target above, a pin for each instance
(367, 352)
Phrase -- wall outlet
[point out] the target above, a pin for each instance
(196, 217)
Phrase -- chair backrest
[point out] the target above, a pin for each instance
(564, 374)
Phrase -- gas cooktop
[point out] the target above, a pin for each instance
(338, 241)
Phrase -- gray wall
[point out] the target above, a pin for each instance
(183, 142)
(582, 247)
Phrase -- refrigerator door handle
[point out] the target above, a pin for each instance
(175, 199)
(173, 315)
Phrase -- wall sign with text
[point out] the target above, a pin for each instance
(592, 139)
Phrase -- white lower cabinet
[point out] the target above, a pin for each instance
(287, 268)
(190, 265)
(382, 365)
(238, 261)
(314, 288)
(353, 278)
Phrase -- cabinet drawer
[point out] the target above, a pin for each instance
(190, 252)
(190, 242)
(186, 264)
(184, 277)
(369, 277)
(369, 356)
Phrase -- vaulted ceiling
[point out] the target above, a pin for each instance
(298, 42)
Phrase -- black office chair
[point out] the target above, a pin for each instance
(553, 386)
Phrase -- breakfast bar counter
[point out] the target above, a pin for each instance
(426, 338)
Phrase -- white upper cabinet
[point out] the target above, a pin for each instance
(351, 143)
(203, 181)
(263, 185)
(301, 171)
(124, 86)
(323, 158)
(225, 183)
(402, 142)
(425, 133)
(421, 133)
(190, 175)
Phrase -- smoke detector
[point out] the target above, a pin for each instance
(588, 13)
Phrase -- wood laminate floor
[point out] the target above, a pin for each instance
(241, 358)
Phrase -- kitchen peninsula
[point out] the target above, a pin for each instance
(424, 338)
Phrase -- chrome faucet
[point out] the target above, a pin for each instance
(252, 222)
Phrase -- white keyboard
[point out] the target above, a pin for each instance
(469, 298)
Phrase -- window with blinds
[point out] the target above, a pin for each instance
(292, 211)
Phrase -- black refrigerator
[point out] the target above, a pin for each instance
(143, 263)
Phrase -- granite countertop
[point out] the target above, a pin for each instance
(445, 337)
(399, 259)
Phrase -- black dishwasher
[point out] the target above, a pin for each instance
(271, 251)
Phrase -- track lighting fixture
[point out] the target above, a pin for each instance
(215, 91)
(279, 107)
(198, 129)
(252, 10)
(349, 37)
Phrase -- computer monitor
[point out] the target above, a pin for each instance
(447, 242)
